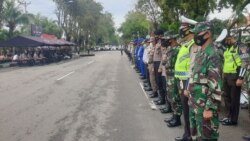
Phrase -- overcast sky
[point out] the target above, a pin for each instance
(118, 8)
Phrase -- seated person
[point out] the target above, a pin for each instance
(42, 58)
(30, 59)
(15, 60)
(2, 58)
(23, 58)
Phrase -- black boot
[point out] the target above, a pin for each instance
(184, 139)
(166, 109)
(175, 122)
(167, 120)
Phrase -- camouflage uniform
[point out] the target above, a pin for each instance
(246, 65)
(205, 88)
(172, 89)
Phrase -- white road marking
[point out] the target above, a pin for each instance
(90, 62)
(151, 103)
(65, 76)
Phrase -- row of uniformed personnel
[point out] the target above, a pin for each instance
(189, 75)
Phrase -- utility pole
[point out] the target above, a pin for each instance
(25, 4)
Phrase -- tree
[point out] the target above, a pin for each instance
(48, 26)
(135, 25)
(84, 22)
(1, 12)
(151, 10)
(194, 9)
(13, 16)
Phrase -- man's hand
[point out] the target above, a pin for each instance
(239, 82)
(207, 114)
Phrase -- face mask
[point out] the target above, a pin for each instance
(164, 43)
(184, 33)
(199, 39)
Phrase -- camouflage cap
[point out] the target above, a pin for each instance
(202, 26)
(169, 35)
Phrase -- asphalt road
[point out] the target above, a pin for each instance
(88, 99)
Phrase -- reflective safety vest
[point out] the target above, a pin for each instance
(182, 64)
(232, 60)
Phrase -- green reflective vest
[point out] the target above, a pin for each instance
(232, 60)
(182, 64)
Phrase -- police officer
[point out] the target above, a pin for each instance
(151, 68)
(182, 69)
(231, 69)
(157, 56)
(205, 86)
(145, 61)
(140, 58)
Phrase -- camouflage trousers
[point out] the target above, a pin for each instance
(246, 87)
(202, 129)
(173, 95)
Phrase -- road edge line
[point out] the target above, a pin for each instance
(151, 103)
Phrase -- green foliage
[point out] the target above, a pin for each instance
(13, 16)
(1, 11)
(218, 25)
(151, 10)
(84, 22)
(136, 24)
(194, 9)
(3, 34)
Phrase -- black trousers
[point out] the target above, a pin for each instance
(158, 79)
(185, 106)
(232, 96)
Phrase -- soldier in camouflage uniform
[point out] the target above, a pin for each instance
(246, 85)
(170, 42)
(205, 86)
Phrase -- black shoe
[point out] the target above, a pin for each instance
(148, 89)
(166, 110)
(182, 139)
(153, 95)
(247, 137)
(145, 85)
(142, 77)
(145, 81)
(224, 119)
(229, 123)
(167, 120)
(175, 122)
(156, 100)
(160, 102)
